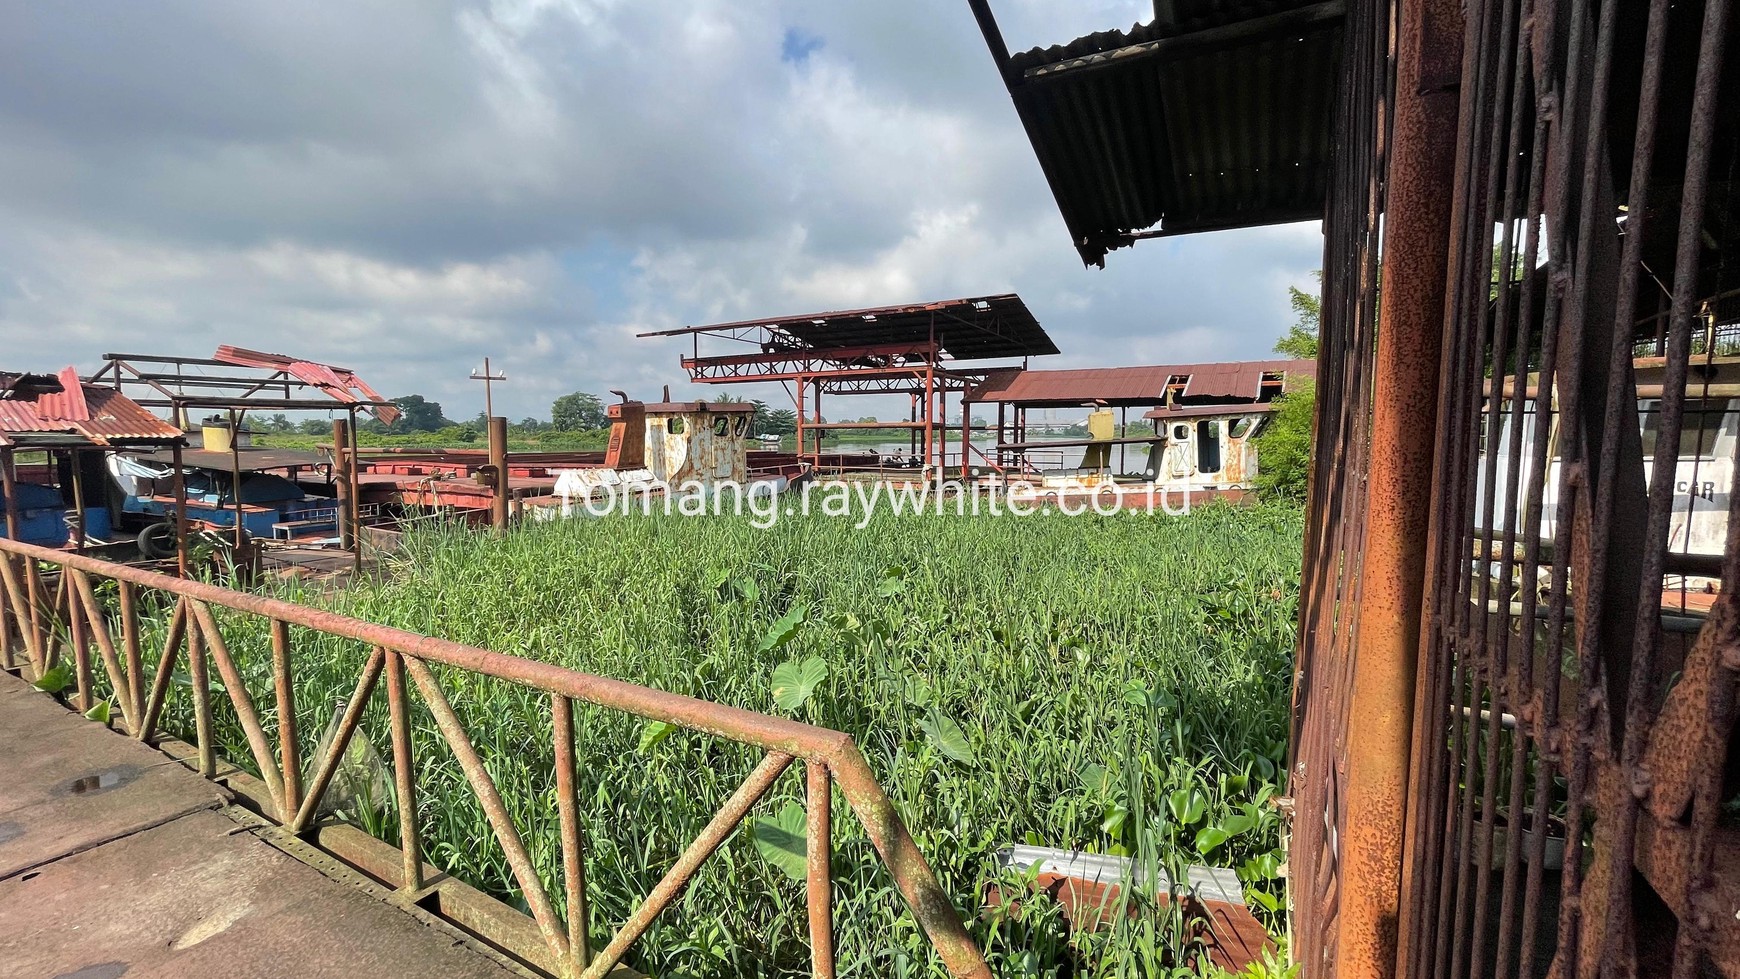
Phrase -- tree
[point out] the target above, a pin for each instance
(315, 426)
(531, 426)
(779, 421)
(1300, 342)
(418, 414)
(278, 424)
(577, 411)
(1284, 448)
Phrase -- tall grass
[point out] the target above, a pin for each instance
(1116, 684)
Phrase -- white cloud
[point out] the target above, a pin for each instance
(406, 188)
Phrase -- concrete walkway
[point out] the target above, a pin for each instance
(115, 860)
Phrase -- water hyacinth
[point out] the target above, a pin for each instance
(1116, 684)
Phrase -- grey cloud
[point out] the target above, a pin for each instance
(406, 188)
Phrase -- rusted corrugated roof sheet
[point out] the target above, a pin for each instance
(1179, 412)
(341, 384)
(21, 416)
(980, 328)
(68, 403)
(1133, 386)
(1239, 380)
(1219, 117)
(1112, 385)
(80, 412)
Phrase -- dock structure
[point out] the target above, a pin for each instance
(116, 859)
(1209, 399)
(926, 351)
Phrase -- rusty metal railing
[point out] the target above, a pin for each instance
(50, 603)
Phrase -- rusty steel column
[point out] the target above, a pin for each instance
(341, 463)
(9, 474)
(802, 449)
(1411, 305)
(498, 461)
(179, 482)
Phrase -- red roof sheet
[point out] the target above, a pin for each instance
(69, 402)
(1131, 386)
(98, 414)
(339, 383)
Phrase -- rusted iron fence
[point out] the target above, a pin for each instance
(1335, 526)
(51, 614)
(1571, 771)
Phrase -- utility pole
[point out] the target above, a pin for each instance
(487, 378)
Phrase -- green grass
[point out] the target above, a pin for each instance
(1117, 684)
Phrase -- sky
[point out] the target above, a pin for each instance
(403, 188)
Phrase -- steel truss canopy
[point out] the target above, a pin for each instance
(236, 378)
(891, 340)
(1217, 115)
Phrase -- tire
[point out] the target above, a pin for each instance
(157, 541)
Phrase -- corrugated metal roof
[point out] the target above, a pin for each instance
(340, 383)
(1132, 386)
(980, 328)
(21, 416)
(67, 404)
(90, 412)
(114, 418)
(1220, 118)
(1242, 379)
(1180, 412)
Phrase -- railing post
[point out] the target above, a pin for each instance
(197, 675)
(820, 885)
(498, 461)
(341, 463)
(80, 641)
(289, 753)
(130, 650)
(573, 842)
(404, 775)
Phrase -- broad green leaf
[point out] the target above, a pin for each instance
(893, 582)
(1187, 805)
(1097, 779)
(948, 737)
(1236, 824)
(794, 682)
(55, 679)
(1112, 824)
(654, 732)
(784, 629)
(99, 712)
(781, 840)
(1208, 838)
(1269, 901)
(1135, 694)
(1263, 866)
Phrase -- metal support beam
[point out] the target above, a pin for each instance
(1411, 308)
(341, 466)
(498, 461)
